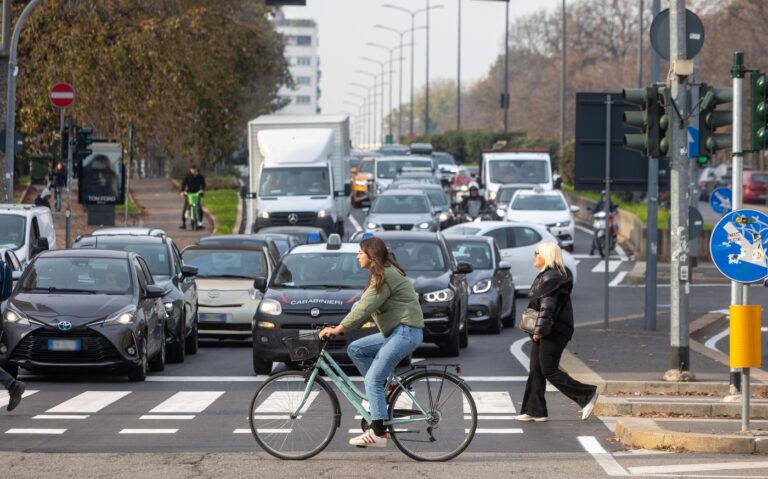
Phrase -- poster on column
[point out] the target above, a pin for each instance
(101, 179)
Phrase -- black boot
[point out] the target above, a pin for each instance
(15, 392)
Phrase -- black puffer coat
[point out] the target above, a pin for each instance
(550, 295)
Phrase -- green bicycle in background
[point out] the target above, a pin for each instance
(193, 202)
(295, 414)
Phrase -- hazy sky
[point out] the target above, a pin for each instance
(345, 26)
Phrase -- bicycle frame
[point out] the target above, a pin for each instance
(193, 200)
(355, 397)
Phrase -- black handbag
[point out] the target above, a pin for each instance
(528, 322)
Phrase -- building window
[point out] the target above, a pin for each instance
(303, 40)
(303, 80)
(303, 99)
(304, 61)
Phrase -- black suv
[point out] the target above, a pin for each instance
(170, 273)
(440, 283)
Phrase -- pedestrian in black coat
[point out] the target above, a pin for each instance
(550, 295)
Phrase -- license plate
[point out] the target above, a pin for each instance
(64, 345)
(214, 317)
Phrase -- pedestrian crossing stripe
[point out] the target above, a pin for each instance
(612, 266)
(88, 402)
(4, 396)
(187, 402)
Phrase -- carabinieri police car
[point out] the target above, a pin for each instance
(313, 285)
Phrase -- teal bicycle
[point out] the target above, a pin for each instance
(295, 414)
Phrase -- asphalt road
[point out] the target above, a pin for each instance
(200, 407)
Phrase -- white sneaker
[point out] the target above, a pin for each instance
(527, 418)
(587, 411)
(369, 439)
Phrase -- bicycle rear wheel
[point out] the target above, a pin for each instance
(280, 433)
(451, 422)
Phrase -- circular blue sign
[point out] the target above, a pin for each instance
(738, 245)
(720, 200)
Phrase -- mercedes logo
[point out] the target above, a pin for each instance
(293, 218)
(64, 326)
(314, 312)
(214, 293)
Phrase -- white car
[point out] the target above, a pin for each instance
(517, 242)
(547, 208)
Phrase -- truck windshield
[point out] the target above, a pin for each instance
(390, 168)
(519, 171)
(295, 182)
(12, 229)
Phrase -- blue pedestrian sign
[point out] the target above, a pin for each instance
(720, 200)
(738, 245)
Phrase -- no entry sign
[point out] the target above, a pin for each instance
(62, 95)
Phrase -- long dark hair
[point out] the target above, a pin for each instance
(379, 257)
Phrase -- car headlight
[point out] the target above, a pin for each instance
(501, 212)
(322, 213)
(371, 225)
(443, 217)
(361, 183)
(264, 214)
(482, 286)
(270, 307)
(492, 196)
(14, 317)
(168, 307)
(463, 188)
(440, 296)
(563, 224)
(124, 317)
(424, 226)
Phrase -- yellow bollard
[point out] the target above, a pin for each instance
(745, 336)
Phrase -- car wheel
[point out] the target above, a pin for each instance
(452, 346)
(496, 323)
(464, 335)
(193, 339)
(177, 349)
(261, 366)
(139, 372)
(509, 321)
(158, 362)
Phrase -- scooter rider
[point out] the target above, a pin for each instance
(600, 206)
(473, 196)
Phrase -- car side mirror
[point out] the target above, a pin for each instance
(575, 209)
(188, 271)
(153, 291)
(504, 266)
(366, 211)
(464, 268)
(347, 189)
(353, 171)
(6, 281)
(16, 275)
(260, 284)
(40, 245)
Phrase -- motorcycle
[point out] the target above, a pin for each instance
(458, 193)
(599, 226)
(473, 213)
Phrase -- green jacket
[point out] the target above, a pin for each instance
(397, 304)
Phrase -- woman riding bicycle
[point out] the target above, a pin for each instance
(391, 302)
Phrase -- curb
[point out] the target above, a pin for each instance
(645, 433)
(619, 406)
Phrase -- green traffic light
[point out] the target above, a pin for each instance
(702, 160)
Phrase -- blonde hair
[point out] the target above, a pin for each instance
(552, 255)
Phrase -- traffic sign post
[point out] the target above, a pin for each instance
(62, 95)
(721, 200)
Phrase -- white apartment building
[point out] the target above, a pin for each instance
(301, 52)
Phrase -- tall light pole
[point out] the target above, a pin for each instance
(364, 114)
(506, 68)
(458, 72)
(368, 110)
(373, 121)
(358, 120)
(400, 33)
(413, 14)
(562, 84)
(381, 65)
(391, 67)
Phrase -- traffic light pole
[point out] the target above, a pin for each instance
(678, 155)
(70, 147)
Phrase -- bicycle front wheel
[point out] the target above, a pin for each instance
(285, 435)
(451, 416)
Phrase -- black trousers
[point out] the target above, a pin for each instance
(184, 211)
(545, 362)
(6, 379)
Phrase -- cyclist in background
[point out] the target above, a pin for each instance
(391, 302)
(194, 182)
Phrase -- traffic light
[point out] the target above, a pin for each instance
(710, 142)
(82, 142)
(758, 100)
(651, 120)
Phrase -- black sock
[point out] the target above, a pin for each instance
(378, 427)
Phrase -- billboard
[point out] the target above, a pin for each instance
(102, 175)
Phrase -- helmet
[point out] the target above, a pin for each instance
(473, 186)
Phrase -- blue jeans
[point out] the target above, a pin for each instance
(376, 358)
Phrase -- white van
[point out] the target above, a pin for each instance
(27, 230)
(505, 167)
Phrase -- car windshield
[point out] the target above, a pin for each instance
(417, 256)
(429, 180)
(394, 150)
(227, 263)
(388, 169)
(519, 171)
(760, 178)
(282, 245)
(366, 167)
(295, 182)
(320, 270)
(538, 203)
(461, 230)
(12, 229)
(505, 194)
(400, 204)
(155, 253)
(78, 275)
(475, 253)
(444, 160)
(437, 197)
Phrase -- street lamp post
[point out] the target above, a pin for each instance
(458, 73)
(413, 14)
(381, 65)
(391, 68)
(357, 121)
(373, 120)
(363, 115)
(368, 110)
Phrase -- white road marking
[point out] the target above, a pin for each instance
(612, 266)
(4, 396)
(640, 452)
(587, 256)
(355, 223)
(666, 285)
(517, 351)
(717, 466)
(61, 416)
(482, 417)
(618, 279)
(276, 401)
(168, 416)
(187, 402)
(481, 430)
(491, 402)
(35, 431)
(149, 431)
(257, 379)
(271, 431)
(242, 431)
(711, 343)
(605, 459)
(89, 402)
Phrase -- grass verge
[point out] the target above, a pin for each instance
(132, 208)
(638, 209)
(223, 205)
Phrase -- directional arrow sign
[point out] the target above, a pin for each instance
(738, 245)
(720, 200)
(62, 95)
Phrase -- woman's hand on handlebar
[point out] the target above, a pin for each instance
(329, 332)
